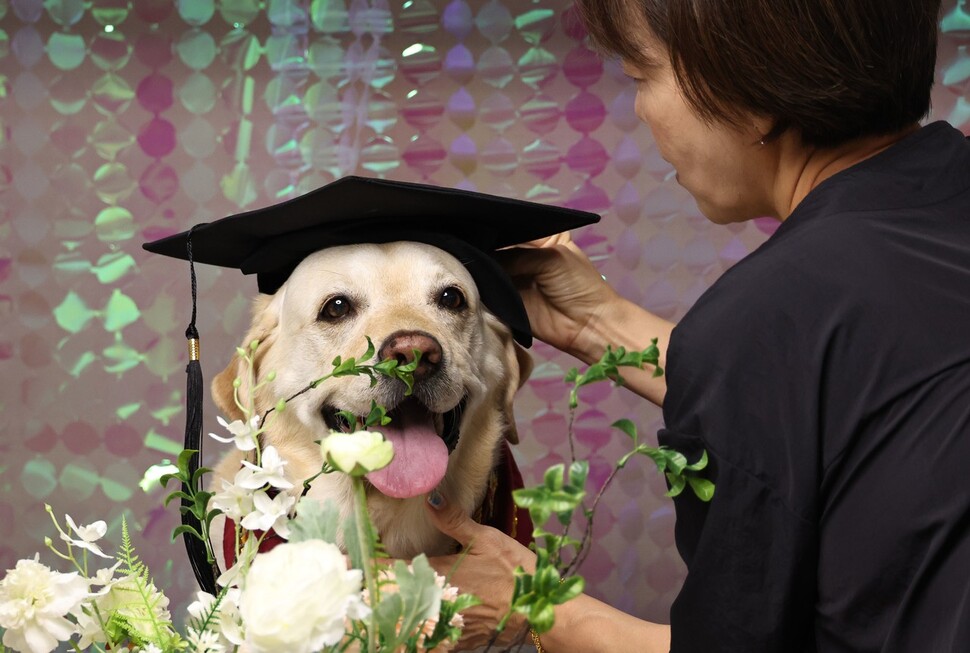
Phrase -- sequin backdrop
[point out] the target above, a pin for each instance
(123, 121)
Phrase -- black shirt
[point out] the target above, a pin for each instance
(828, 377)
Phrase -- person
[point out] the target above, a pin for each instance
(827, 375)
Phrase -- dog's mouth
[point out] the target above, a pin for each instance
(422, 441)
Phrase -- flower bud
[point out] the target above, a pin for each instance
(357, 453)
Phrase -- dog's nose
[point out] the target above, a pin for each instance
(403, 344)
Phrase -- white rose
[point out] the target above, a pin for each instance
(357, 453)
(297, 597)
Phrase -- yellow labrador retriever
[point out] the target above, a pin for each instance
(447, 434)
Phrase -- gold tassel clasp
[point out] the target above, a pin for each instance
(193, 349)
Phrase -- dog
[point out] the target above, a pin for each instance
(404, 296)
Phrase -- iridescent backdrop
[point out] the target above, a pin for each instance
(124, 121)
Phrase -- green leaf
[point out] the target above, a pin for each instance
(209, 516)
(578, 473)
(349, 416)
(676, 461)
(197, 476)
(185, 528)
(183, 462)
(346, 368)
(699, 464)
(628, 427)
(176, 495)
(702, 487)
(420, 599)
(655, 454)
(413, 365)
(377, 415)
(677, 484)
(355, 548)
(553, 478)
(541, 616)
(569, 589)
(315, 521)
(596, 372)
(370, 350)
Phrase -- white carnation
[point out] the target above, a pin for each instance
(33, 603)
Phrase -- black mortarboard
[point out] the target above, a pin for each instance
(270, 242)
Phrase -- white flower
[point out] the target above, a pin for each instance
(33, 603)
(235, 574)
(106, 578)
(151, 648)
(234, 500)
(225, 631)
(205, 641)
(271, 471)
(89, 626)
(357, 453)
(243, 434)
(124, 600)
(297, 597)
(87, 535)
(269, 513)
(230, 621)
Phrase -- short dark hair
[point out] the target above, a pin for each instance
(833, 70)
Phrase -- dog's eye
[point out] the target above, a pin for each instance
(452, 299)
(335, 308)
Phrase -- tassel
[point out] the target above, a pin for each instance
(193, 440)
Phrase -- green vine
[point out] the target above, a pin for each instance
(563, 491)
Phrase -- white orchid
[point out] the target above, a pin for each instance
(33, 603)
(233, 576)
(234, 500)
(270, 513)
(243, 433)
(229, 631)
(205, 641)
(89, 626)
(106, 578)
(86, 536)
(269, 472)
(357, 453)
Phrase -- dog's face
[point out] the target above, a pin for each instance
(404, 296)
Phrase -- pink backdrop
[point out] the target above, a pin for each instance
(123, 121)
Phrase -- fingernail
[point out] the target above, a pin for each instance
(435, 498)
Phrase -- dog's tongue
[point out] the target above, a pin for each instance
(420, 456)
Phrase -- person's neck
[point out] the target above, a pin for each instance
(802, 168)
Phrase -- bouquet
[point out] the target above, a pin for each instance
(306, 595)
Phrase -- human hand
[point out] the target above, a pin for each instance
(563, 292)
(485, 569)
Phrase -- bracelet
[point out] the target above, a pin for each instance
(535, 641)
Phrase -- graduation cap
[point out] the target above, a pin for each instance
(270, 242)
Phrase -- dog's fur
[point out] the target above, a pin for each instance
(393, 288)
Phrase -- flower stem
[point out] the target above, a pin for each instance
(362, 520)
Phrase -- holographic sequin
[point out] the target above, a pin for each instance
(124, 121)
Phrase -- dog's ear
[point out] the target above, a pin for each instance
(518, 365)
(264, 327)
